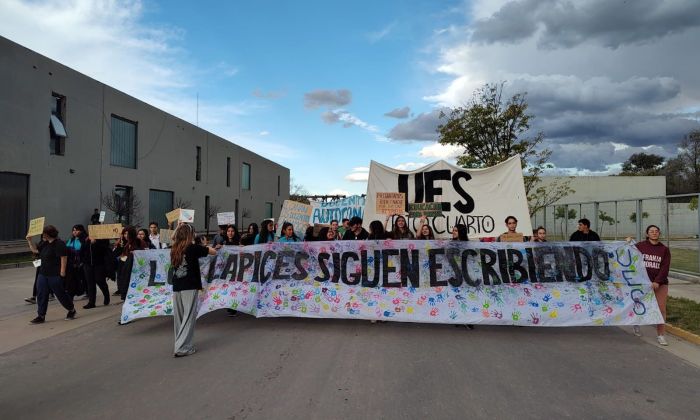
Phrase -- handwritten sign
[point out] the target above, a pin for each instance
(226, 218)
(511, 237)
(298, 214)
(391, 203)
(36, 226)
(418, 210)
(105, 231)
(166, 236)
(181, 215)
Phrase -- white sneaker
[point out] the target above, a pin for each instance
(637, 331)
(662, 340)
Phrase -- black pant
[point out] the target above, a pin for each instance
(95, 277)
(35, 292)
(54, 284)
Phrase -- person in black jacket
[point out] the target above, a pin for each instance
(356, 232)
(584, 232)
(95, 255)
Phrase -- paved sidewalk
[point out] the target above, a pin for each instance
(683, 288)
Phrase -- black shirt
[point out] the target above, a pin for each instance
(579, 236)
(50, 254)
(350, 235)
(187, 275)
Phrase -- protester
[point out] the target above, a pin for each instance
(95, 218)
(400, 229)
(376, 231)
(327, 234)
(184, 257)
(584, 232)
(344, 228)
(251, 233)
(288, 234)
(232, 237)
(539, 234)
(201, 240)
(309, 234)
(460, 232)
(220, 237)
(32, 299)
(133, 243)
(143, 235)
(657, 260)
(154, 236)
(116, 262)
(94, 255)
(75, 284)
(267, 232)
(54, 261)
(425, 232)
(511, 235)
(356, 231)
(336, 230)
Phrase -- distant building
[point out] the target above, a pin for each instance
(68, 140)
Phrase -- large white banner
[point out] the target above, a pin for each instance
(481, 199)
(346, 208)
(529, 284)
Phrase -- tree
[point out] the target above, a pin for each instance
(181, 203)
(298, 192)
(126, 206)
(693, 205)
(633, 216)
(492, 129)
(213, 210)
(690, 157)
(605, 218)
(643, 164)
(561, 213)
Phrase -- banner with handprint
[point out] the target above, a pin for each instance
(533, 284)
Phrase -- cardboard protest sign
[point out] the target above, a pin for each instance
(180, 215)
(390, 203)
(111, 231)
(226, 218)
(102, 216)
(419, 210)
(298, 214)
(511, 237)
(36, 226)
(166, 236)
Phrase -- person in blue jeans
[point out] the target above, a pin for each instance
(54, 259)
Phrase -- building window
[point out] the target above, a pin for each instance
(207, 213)
(268, 210)
(124, 142)
(198, 173)
(159, 203)
(245, 176)
(228, 171)
(57, 126)
(124, 206)
(278, 185)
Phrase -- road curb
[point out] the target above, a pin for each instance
(685, 277)
(683, 334)
(16, 265)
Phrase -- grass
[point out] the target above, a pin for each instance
(684, 259)
(683, 313)
(15, 258)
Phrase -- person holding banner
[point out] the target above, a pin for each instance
(126, 257)
(232, 237)
(54, 260)
(400, 229)
(425, 233)
(540, 235)
(145, 238)
(356, 232)
(327, 234)
(376, 231)
(336, 231)
(267, 232)
(460, 232)
(511, 235)
(288, 234)
(249, 237)
(184, 257)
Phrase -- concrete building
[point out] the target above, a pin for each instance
(69, 141)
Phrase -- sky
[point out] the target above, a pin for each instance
(324, 87)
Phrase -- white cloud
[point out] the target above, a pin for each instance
(264, 133)
(377, 36)
(359, 174)
(439, 151)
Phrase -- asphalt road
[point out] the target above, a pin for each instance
(249, 368)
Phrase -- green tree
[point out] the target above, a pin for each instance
(690, 158)
(605, 218)
(491, 129)
(693, 205)
(561, 213)
(633, 216)
(643, 164)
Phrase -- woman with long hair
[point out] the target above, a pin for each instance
(95, 256)
(267, 232)
(144, 236)
(232, 237)
(657, 260)
(327, 234)
(251, 233)
(75, 277)
(288, 234)
(133, 243)
(376, 231)
(400, 229)
(425, 232)
(187, 281)
(309, 234)
(460, 233)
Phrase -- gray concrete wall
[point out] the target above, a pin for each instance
(65, 189)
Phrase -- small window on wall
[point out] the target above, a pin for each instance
(228, 171)
(124, 142)
(268, 210)
(198, 173)
(245, 176)
(57, 124)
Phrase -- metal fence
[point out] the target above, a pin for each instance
(676, 215)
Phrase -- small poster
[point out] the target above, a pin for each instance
(226, 218)
(111, 231)
(36, 226)
(391, 203)
(418, 210)
(166, 236)
(102, 216)
(181, 215)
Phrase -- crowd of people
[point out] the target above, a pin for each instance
(81, 264)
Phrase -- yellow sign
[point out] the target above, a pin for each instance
(172, 216)
(511, 237)
(105, 231)
(166, 236)
(36, 226)
(391, 203)
(182, 215)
